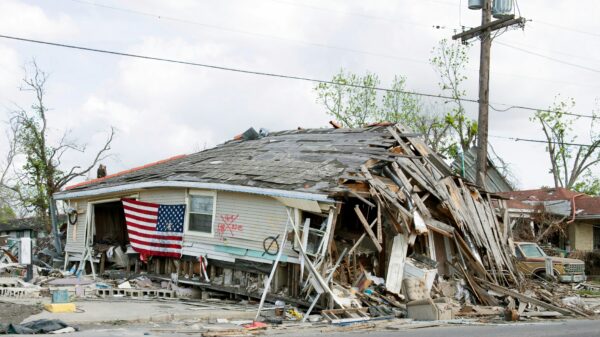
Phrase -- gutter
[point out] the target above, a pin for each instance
(574, 207)
(64, 195)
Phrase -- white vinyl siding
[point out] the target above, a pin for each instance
(76, 232)
(241, 220)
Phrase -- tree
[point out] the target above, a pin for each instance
(571, 163)
(6, 213)
(354, 101)
(449, 61)
(42, 174)
(7, 195)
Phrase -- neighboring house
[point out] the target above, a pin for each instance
(579, 212)
(31, 227)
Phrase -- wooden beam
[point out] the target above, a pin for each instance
(523, 298)
(357, 196)
(365, 224)
(494, 25)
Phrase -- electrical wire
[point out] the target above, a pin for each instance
(248, 33)
(544, 141)
(362, 15)
(568, 28)
(548, 57)
(308, 43)
(269, 74)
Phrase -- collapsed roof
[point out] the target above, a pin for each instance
(306, 160)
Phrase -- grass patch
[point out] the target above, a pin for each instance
(586, 292)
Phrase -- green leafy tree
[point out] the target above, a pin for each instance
(571, 164)
(6, 213)
(351, 99)
(450, 60)
(43, 174)
(354, 101)
(588, 184)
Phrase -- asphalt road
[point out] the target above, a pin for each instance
(579, 328)
(573, 328)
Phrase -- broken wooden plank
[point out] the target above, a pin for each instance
(357, 196)
(500, 289)
(379, 224)
(365, 224)
(357, 243)
(395, 272)
(529, 314)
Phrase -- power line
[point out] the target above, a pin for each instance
(244, 32)
(308, 43)
(568, 28)
(549, 57)
(366, 16)
(583, 57)
(521, 107)
(268, 74)
(543, 141)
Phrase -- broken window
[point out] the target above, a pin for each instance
(201, 211)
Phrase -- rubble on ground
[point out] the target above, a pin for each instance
(449, 258)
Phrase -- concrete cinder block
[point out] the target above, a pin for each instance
(8, 282)
(19, 292)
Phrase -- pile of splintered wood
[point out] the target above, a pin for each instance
(416, 194)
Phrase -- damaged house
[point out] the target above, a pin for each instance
(566, 219)
(306, 212)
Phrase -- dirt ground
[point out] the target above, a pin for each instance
(15, 313)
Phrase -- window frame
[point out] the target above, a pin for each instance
(188, 199)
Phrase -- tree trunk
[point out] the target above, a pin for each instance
(54, 220)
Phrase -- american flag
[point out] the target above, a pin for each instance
(154, 229)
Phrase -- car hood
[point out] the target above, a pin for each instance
(556, 260)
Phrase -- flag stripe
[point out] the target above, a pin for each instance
(141, 204)
(140, 216)
(141, 234)
(144, 210)
(152, 232)
(148, 249)
(155, 243)
(143, 224)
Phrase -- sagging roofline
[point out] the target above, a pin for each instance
(65, 195)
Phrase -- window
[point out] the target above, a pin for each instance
(532, 250)
(201, 210)
(518, 253)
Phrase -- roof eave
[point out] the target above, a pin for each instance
(70, 194)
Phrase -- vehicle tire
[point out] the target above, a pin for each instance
(542, 275)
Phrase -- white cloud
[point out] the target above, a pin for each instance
(163, 109)
(31, 21)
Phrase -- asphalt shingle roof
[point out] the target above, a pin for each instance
(308, 160)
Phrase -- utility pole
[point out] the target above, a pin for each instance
(484, 94)
(484, 32)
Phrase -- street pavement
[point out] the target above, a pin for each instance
(570, 328)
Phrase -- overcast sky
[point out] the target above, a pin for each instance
(162, 109)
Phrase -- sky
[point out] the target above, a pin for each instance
(161, 109)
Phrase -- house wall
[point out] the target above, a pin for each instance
(581, 236)
(76, 232)
(242, 222)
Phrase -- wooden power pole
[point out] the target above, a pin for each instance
(484, 32)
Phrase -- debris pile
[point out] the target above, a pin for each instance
(422, 243)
